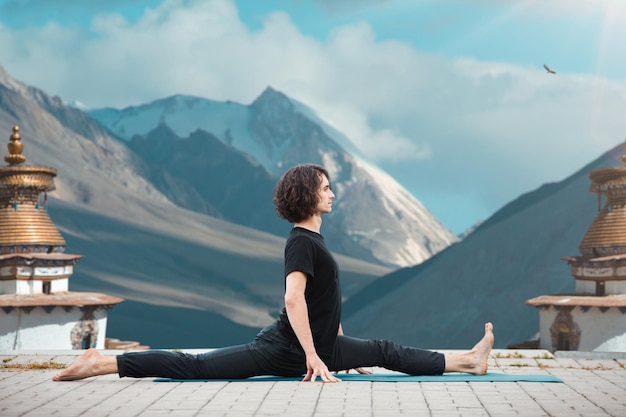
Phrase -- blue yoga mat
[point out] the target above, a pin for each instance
(450, 377)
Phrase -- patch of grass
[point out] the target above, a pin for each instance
(518, 355)
(544, 356)
(542, 365)
(6, 364)
(596, 368)
(514, 355)
(519, 365)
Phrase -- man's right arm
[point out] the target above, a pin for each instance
(295, 304)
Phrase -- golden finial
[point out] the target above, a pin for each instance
(15, 147)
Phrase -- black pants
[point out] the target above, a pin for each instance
(271, 354)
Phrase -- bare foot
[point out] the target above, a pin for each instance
(474, 361)
(479, 355)
(92, 363)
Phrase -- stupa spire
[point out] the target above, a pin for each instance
(25, 226)
(15, 147)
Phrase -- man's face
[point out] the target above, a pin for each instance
(325, 197)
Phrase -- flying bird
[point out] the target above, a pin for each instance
(548, 69)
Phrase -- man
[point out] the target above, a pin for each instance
(307, 339)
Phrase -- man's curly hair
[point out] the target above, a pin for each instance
(296, 193)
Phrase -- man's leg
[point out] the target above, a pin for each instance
(92, 363)
(224, 363)
(353, 353)
(474, 361)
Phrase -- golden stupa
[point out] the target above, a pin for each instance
(593, 318)
(37, 309)
(25, 226)
(607, 233)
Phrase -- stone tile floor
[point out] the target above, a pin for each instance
(594, 384)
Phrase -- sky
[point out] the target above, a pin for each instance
(450, 97)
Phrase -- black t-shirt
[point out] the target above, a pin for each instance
(306, 251)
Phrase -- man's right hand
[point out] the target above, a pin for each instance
(316, 367)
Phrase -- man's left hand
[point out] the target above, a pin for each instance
(361, 371)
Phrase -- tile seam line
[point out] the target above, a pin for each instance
(212, 397)
(319, 395)
(267, 393)
(428, 403)
(44, 381)
(482, 404)
(124, 388)
(588, 398)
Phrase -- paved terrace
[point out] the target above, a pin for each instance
(594, 384)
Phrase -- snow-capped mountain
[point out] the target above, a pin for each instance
(170, 264)
(222, 280)
(375, 217)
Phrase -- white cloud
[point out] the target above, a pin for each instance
(611, 10)
(381, 144)
(454, 126)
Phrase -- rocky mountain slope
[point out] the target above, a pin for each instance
(188, 271)
(513, 256)
(178, 269)
(375, 219)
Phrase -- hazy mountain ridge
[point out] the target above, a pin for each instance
(395, 229)
(105, 163)
(513, 256)
(138, 245)
(203, 174)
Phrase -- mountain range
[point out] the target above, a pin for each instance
(178, 269)
(170, 201)
(513, 256)
(180, 136)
